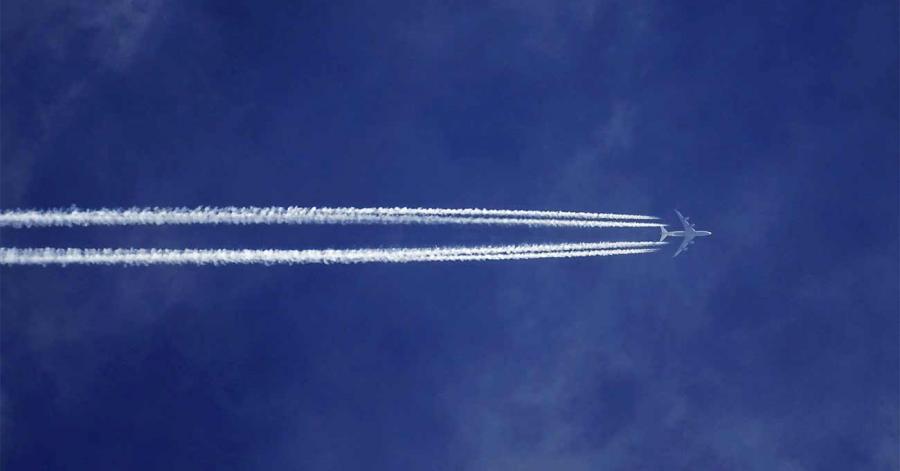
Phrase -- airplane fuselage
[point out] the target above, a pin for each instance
(695, 233)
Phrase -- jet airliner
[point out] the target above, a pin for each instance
(688, 233)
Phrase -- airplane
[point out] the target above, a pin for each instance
(688, 233)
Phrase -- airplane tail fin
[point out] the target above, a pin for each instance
(663, 233)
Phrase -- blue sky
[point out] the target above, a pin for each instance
(771, 345)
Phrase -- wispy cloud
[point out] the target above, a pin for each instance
(65, 46)
(109, 32)
(122, 26)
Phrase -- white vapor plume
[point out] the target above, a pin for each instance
(298, 215)
(48, 256)
(476, 212)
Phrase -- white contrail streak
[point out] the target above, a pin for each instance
(297, 215)
(49, 256)
(476, 212)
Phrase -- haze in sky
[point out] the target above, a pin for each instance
(771, 345)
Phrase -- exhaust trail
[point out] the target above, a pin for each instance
(477, 212)
(298, 215)
(50, 256)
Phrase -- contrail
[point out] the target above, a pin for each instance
(298, 215)
(477, 212)
(49, 256)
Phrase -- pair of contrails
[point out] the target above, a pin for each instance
(300, 215)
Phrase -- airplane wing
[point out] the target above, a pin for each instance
(684, 221)
(688, 238)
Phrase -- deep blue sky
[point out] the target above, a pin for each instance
(772, 345)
